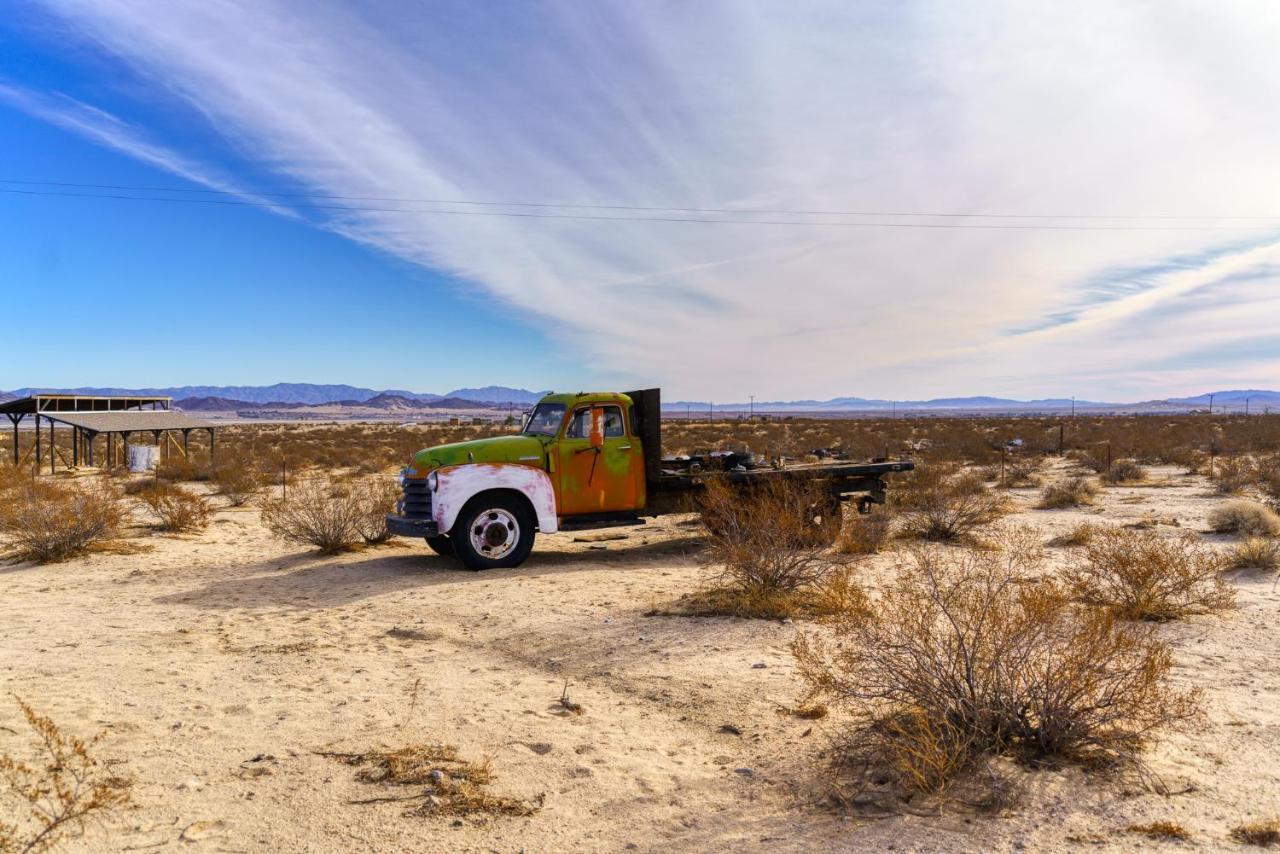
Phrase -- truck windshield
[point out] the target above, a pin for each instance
(545, 420)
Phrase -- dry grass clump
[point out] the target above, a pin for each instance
(941, 501)
(1125, 471)
(56, 795)
(964, 657)
(768, 545)
(1169, 830)
(179, 468)
(1244, 517)
(334, 516)
(1080, 534)
(49, 522)
(1072, 492)
(1256, 553)
(237, 482)
(1139, 575)
(176, 509)
(1264, 834)
(452, 786)
(865, 533)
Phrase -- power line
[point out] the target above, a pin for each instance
(595, 217)
(579, 206)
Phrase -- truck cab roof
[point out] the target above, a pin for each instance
(586, 397)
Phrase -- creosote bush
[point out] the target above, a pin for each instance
(1139, 575)
(1125, 471)
(865, 533)
(335, 516)
(1264, 834)
(49, 521)
(1232, 475)
(941, 501)
(965, 656)
(378, 498)
(237, 482)
(1072, 492)
(1244, 517)
(175, 508)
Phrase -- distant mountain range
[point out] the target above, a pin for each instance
(297, 395)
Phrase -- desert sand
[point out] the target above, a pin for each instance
(221, 665)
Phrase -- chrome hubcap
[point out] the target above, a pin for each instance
(494, 533)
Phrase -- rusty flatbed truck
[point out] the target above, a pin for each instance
(587, 460)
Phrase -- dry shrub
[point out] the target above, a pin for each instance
(57, 794)
(1264, 834)
(1125, 471)
(1232, 475)
(1268, 472)
(1078, 535)
(13, 478)
(1244, 517)
(769, 541)
(964, 657)
(179, 468)
(335, 516)
(1256, 553)
(237, 482)
(176, 509)
(1170, 830)
(378, 498)
(1072, 492)
(452, 786)
(865, 533)
(941, 501)
(1139, 575)
(50, 522)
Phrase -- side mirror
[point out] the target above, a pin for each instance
(597, 428)
(525, 418)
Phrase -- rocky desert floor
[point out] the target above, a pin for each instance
(222, 666)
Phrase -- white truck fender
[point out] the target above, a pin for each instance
(456, 485)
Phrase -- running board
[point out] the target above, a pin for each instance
(592, 524)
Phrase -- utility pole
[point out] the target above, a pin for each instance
(1210, 404)
(688, 412)
(752, 416)
(1073, 406)
(1246, 405)
(711, 412)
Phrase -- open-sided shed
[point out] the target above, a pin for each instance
(88, 416)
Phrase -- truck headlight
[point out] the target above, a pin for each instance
(432, 481)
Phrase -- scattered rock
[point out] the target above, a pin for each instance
(731, 729)
(436, 776)
(759, 665)
(199, 830)
(745, 772)
(540, 747)
(600, 537)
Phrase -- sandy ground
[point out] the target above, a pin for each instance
(213, 649)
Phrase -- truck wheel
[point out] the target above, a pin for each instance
(493, 532)
(441, 545)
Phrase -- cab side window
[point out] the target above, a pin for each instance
(613, 423)
(580, 426)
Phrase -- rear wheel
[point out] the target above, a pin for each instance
(493, 531)
(441, 545)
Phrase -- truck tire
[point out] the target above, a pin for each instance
(441, 545)
(494, 531)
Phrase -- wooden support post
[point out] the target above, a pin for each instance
(88, 448)
(52, 446)
(75, 447)
(38, 439)
(186, 447)
(124, 448)
(159, 447)
(15, 417)
(210, 445)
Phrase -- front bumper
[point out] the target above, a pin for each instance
(403, 526)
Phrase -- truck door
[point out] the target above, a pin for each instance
(604, 476)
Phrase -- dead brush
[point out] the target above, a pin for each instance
(319, 512)
(1168, 830)
(941, 501)
(1072, 492)
(1256, 554)
(1264, 834)
(176, 509)
(1233, 475)
(1244, 517)
(237, 482)
(48, 522)
(377, 498)
(56, 795)
(452, 785)
(768, 546)
(1124, 471)
(1078, 535)
(1139, 575)
(963, 656)
(865, 533)
(179, 468)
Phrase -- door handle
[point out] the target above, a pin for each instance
(624, 447)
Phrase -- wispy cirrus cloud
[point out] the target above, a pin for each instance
(909, 108)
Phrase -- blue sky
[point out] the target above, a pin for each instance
(1095, 124)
